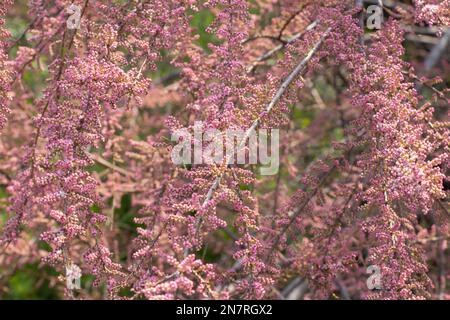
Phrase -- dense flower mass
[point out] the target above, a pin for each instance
(92, 93)
(5, 71)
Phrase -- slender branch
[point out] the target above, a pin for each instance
(437, 52)
(272, 52)
(262, 36)
(286, 24)
(109, 165)
(298, 69)
(276, 98)
(298, 212)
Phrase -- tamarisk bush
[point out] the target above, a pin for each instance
(88, 110)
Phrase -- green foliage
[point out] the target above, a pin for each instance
(31, 283)
(201, 21)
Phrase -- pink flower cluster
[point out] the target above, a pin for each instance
(5, 70)
(85, 150)
(432, 12)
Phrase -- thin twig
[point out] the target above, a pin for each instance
(437, 52)
(292, 76)
(109, 165)
(272, 52)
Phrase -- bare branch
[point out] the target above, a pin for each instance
(284, 86)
